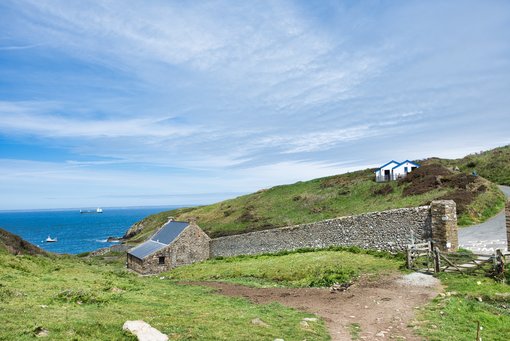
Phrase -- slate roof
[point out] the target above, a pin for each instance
(401, 163)
(392, 161)
(162, 238)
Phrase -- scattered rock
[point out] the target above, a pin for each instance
(258, 322)
(339, 287)
(144, 331)
(479, 299)
(381, 333)
(43, 306)
(41, 332)
(116, 290)
(278, 340)
(113, 239)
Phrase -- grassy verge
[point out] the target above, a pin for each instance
(468, 299)
(305, 268)
(485, 206)
(75, 299)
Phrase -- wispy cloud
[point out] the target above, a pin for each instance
(30, 118)
(256, 93)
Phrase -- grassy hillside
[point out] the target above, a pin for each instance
(17, 246)
(68, 298)
(493, 164)
(339, 195)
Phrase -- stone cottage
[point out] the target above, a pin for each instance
(175, 243)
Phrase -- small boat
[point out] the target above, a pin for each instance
(97, 210)
(51, 240)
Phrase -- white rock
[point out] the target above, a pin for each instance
(144, 331)
(310, 319)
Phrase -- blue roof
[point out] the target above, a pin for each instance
(400, 164)
(386, 165)
(146, 248)
(162, 238)
(169, 232)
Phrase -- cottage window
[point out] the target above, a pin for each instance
(161, 260)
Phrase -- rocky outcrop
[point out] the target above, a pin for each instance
(135, 229)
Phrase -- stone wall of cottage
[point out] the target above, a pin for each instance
(191, 246)
(389, 230)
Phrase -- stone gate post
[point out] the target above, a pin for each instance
(444, 225)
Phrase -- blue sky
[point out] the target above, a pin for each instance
(119, 103)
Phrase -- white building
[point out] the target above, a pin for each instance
(394, 170)
(384, 173)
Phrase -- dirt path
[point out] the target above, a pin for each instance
(382, 308)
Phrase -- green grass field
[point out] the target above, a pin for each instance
(305, 268)
(468, 300)
(87, 299)
(74, 299)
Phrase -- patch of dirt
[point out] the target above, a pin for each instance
(461, 197)
(464, 188)
(382, 307)
(384, 190)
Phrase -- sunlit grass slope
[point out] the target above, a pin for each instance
(75, 299)
(303, 268)
(469, 300)
(324, 198)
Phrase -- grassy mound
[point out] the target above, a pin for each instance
(304, 268)
(335, 196)
(74, 299)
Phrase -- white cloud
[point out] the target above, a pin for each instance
(33, 118)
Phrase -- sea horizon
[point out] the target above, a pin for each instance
(58, 209)
(76, 233)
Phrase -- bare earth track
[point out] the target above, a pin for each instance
(383, 308)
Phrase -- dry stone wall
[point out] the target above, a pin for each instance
(388, 230)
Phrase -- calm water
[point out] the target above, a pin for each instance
(76, 232)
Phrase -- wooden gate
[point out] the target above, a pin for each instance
(422, 257)
(419, 256)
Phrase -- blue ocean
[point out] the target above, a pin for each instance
(75, 232)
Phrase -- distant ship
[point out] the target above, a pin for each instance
(98, 210)
(51, 240)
